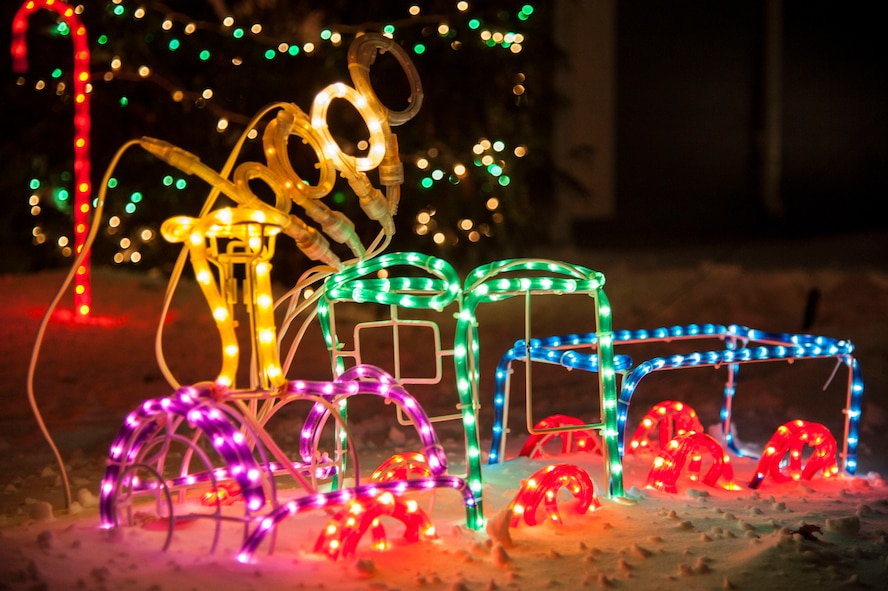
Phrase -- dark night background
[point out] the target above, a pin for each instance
(687, 119)
(689, 111)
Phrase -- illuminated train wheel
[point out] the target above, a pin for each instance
(686, 451)
(584, 440)
(177, 460)
(343, 533)
(543, 487)
(167, 486)
(667, 419)
(783, 458)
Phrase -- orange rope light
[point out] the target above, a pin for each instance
(789, 439)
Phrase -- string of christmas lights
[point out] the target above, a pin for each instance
(220, 47)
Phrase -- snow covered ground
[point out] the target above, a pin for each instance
(811, 534)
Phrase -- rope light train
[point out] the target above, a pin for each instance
(205, 452)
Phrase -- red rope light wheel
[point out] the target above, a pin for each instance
(341, 536)
(402, 467)
(687, 450)
(571, 441)
(543, 487)
(783, 458)
(667, 419)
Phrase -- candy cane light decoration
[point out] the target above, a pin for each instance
(82, 187)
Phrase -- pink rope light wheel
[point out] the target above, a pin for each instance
(668, 419)
(543, 488)
(343, 533)
(790, 439)
(82, 186)
(687, 450)
(571, 441)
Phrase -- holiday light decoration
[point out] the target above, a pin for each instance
(377, 280)
(81, 84)
(746, 345)
(355, 381)
(541, 351)
(490, 283)
(184, 52)
(567, 351)
(743, 345)
(225, 494)
(343, 497)
(154, 424)
(686, 452)
(223, 429)
(789, 440)
(543, 488)
(505, 279)
(251, 234)
(313, 129)
(670, 419)
(402, 467)
(583, 440)
(341, 535)
(361, 283)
